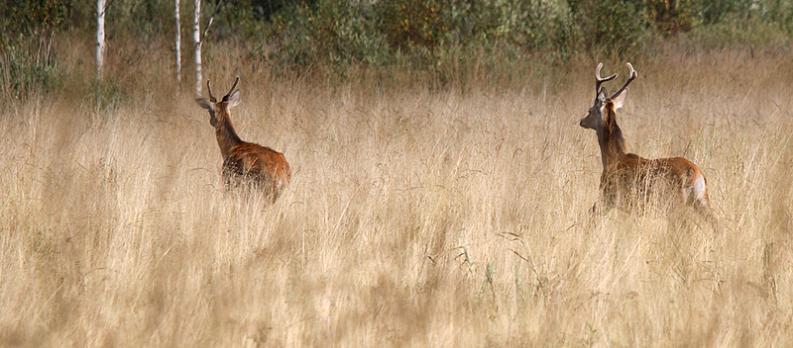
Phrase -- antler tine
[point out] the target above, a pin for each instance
(631, 76)
(600, 80)
(209, 89)
(236, 81)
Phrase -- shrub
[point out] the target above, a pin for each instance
(27, 59)
(715, 11)
(673, 16)
(27, 66)
(336, 32)
(610, 25)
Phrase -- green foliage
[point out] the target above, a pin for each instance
(435, 35)
(27, 66)
(715, 11)
(412, 23)
(760, 23)
(142, 18)
(417, 31)
(347, 33)
(434, 23)
(777, 12)
(752, 32)
(338, 33)
(266, 9)
(27, 59)
(673, 16)
(29, 17)
(610, 25)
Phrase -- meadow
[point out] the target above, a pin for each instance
(419, 214)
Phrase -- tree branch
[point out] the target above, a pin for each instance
(218, 5)
(107, 4)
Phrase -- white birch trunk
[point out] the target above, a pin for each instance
(100, 37)
(197, 42)
(178, 42)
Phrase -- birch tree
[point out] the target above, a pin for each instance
(101, 6)
(197, 38)
(197, 43)
(178, 42)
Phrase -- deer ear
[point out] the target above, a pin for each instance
(204, 103)
(234, 99)
(619, 100)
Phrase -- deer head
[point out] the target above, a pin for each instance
(598, 116)
(220, 109)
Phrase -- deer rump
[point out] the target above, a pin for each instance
(663, 183)
(258, 167)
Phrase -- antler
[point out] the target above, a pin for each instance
(631, 76)
(209, 89)
(599, 80)
(236, 81)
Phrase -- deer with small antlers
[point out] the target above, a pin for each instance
(628, 179)
(244, 162)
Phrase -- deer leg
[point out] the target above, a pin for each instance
(275, 192)
(705, 212)
(697, 197)
(603, 208)
(600, 209)
(594, 216)
(607, 202)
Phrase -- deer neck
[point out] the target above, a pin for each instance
(612, 144)
(226, 135)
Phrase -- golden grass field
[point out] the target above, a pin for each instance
(417, 215)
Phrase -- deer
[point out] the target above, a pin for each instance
(243, 162)
(628, 180)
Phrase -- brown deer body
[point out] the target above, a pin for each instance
(244, 162)
(629, 180)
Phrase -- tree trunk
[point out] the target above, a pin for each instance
(178, 42)
(197, 42)
(100, 36)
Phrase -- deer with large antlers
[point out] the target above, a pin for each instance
(627, 179)
(244, 162)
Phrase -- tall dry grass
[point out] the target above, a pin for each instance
(417, 216)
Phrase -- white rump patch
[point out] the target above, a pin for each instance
(699, 187)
